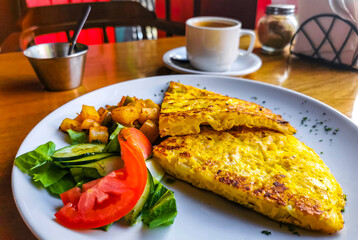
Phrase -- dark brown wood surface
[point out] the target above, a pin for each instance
(24, 101)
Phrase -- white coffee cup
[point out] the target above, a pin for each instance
(212, 43)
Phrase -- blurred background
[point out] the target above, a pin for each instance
(247, 11)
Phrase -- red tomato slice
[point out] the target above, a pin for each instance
(108, 199)
(137, 141)
(73, 195)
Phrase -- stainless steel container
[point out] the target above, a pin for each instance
(56, 70)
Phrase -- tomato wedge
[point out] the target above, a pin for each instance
(105, 200)
(137, 141)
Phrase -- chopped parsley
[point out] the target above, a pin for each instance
(327, 129)
(345, 197)
(266, 232)
(303, 120)
(254, 98)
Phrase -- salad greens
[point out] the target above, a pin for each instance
(159, 208)
(113, 145)
(77, 137)
(39, 165)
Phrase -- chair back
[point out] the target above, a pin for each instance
(63, 18)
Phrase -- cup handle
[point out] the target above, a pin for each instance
(252, 41)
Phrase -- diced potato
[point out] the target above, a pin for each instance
(89, 112)
(78, 118)
(148, 113)
(121, 103)
(87, 123)
(102, 114)
(98, 134)
(150, 104)
(101, 110)
(125, 115)
(150, 130)
(70, 124)
(138, 104)
(129, 100)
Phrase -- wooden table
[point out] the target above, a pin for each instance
(24, 102)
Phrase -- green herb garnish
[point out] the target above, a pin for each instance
(266, 232)
(345, 197)
(303, 120)
(327, 129)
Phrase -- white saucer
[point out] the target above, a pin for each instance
(243, 65)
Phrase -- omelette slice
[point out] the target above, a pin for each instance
(272, 173)
(185, 108)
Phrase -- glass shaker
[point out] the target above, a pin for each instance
(277, 27)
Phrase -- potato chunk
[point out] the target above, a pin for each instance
(89, 112)
(150, 130)
(87, 123)
(125, 115)
(98, 134)
(148, 114)
(68, 123)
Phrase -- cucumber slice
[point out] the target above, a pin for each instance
(134, 215)
(155, 169)
(106, 165)
(83, 160)
(77, 151)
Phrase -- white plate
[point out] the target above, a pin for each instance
(202, 215)
(243, 65)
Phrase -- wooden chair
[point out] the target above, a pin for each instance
(63, 18)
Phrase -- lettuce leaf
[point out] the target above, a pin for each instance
(113, 145)
(39, 165)
(62, 185)
(40, 155)
(77, 137)
(160, 209)
(47, 173)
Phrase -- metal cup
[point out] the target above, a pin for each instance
(57, 70)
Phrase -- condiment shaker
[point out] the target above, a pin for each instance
(277, 27)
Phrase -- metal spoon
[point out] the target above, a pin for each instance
(78, 29)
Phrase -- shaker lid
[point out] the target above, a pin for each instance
(280, 9)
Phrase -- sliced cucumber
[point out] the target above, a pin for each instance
(83, 160)
(77, 151)
(133, 216)
(106, 165)
(155, 169)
